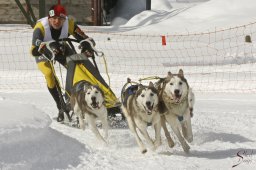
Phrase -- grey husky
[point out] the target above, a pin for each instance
(178, 100)
(87, 102)
(141, 110)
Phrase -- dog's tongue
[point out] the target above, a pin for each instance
(150, 108)
(95, 105)
(177, 98)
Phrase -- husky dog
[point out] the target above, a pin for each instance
(87, 102)
(178, 100)
(141, 109)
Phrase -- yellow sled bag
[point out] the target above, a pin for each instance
(79, 67)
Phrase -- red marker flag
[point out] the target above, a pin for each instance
(163, 40)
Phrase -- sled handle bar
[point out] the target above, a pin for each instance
(68, 40)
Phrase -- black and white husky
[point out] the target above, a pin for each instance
(178, 100)
(141, 110)
(87, 102)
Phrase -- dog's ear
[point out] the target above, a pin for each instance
(151, 84)
(169, 74)
(181, 74)
(100, 90)
(128, 80)
(140, 86)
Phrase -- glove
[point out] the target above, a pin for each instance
(51, 49)
(57, 48)
(87, 47)
(45, 51)
(92, 41)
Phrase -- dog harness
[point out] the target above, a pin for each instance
(130, 91)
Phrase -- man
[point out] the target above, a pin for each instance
(53, 27)
(57, 26)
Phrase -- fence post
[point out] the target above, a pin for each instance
(30, 11)
(148, 4)
(95, 12)
(29, 19)
(41, 8)
(99, 12)
(248, 39)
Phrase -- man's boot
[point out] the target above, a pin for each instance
(55, 95)
(60, 117)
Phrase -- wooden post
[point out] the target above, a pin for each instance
(148, 4)
(30, 11)
(29, 19)
(248, 39)
(99, 14)
(41, 8)
(95, 12)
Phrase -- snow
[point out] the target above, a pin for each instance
(223, 123)
(192, 17)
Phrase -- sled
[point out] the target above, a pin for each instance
(79, 67)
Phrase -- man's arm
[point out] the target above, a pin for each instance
(85, 46)
(76, 31)
(36, 39)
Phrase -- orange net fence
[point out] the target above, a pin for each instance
(218, 61)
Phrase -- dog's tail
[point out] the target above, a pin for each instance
(191, 101)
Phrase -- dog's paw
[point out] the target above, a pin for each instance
(82, 126)
(106, 135)
(157, 144)
(185, 147)
(190, 139)
(170, 142)
(144, 151)
(152, 145)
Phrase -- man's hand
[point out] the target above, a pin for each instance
(87, 47)
(46, 51)
(57, 48)
(88, 53)
(50, 49)
(42, 47)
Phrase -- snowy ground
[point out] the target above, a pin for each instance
(223, 123)
(223, 126)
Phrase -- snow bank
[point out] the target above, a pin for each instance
(25, 121)
(27, 141)
(195, 17)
